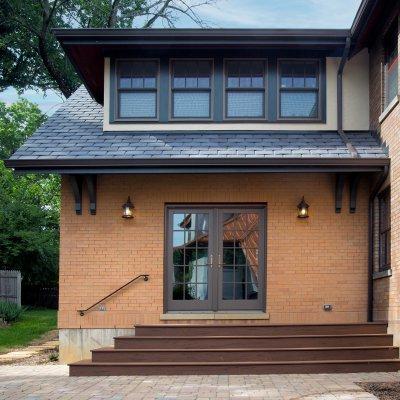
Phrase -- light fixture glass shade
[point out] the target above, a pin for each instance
(127, 209)
(302, 209)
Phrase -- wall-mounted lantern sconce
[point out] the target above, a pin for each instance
(302, 209)
(128, 209)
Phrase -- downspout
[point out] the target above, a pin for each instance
(341, 133)
(371, 232)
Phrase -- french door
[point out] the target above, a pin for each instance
(215, 258)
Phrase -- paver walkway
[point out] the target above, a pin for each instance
(52, 382)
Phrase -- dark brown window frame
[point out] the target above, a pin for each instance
(384, 230)
(226, 90)
(318, 118)
(391, 55)
(209, 90)
(118, 90)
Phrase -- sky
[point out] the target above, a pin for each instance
(239, 14)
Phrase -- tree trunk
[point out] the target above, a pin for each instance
(55, 74)
(112, 18)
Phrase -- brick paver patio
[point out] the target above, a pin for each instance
(52, 382)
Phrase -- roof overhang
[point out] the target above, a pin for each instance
(86, 48)
(371, 15)
(198, 165)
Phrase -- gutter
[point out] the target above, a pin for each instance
(352, 150)
(197, 162)
(197, 166)
(371, 232)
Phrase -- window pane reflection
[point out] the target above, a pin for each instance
(240, 256)
(190, 256)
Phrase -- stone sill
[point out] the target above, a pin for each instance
(382, 274)
(215, 316)
(391, 106)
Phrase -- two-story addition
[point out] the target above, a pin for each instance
(225, 198)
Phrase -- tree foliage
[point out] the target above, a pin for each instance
(30, 56)
(29, 204)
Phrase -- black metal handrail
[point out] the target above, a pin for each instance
(145, 278)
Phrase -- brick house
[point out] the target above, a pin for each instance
(257, 172)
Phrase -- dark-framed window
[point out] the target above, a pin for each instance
(384, 230)
(299, 89)
(245, 89)
(137, 89)
(391, 69)
(191, 88)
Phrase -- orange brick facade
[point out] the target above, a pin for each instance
(386, 290)
(323, 259)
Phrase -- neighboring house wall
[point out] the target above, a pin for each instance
(387, 124)
(309, 262)
(355, 105)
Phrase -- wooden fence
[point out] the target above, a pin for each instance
(10, 286)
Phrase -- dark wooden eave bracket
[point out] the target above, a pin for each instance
(76, 182)
(354, 181)
(339, 192)
(353, 186)
(91, 183)
(76, 186)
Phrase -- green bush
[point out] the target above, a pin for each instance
(53, 356)
(10, 312)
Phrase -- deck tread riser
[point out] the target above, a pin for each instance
(243, 355)
(233, 369)
(251, 342)
(214, 330)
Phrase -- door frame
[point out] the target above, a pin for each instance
(168, 207)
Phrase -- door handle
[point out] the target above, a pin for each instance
(211, 261)
(219, 261)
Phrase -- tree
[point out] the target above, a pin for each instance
(30, 56)
(17, 122)
(29, 204)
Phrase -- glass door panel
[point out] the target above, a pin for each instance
(240, 245)
(189, 260)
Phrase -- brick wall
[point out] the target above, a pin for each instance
(386, 290)
(309, 262)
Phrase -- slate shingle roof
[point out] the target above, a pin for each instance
(75, 132)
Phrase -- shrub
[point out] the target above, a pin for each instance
(10, 312)
(53, 357)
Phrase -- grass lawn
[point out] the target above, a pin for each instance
(31, 326)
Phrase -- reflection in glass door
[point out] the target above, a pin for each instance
(189, 259)
(240, 252)
(215, 258)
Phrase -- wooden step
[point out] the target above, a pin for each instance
(229, 342)
(88, 368)
(235, 355)
(262, 330)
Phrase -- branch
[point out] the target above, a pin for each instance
(43, 52)
(159, 14)
(112, 18)
(174, 6)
